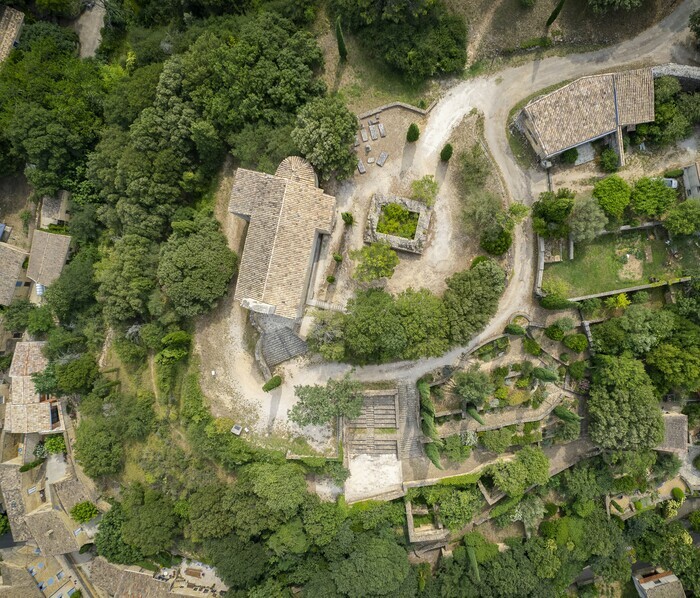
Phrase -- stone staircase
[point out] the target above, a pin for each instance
(377, 412)
(367, 445)
(325, 305)
(410, 433)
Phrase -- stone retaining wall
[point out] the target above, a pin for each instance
(421, 111)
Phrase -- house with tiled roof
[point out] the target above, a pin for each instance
(47, 257)
(655, 582)
(29, 411)
(588, 109)
(288, 214)
(10, 26)
(13, 283)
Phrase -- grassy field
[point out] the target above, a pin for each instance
(610, 262)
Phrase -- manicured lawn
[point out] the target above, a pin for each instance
(610, 262)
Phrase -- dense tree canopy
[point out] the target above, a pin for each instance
(623, 406)
(321, 404)
(587, 220)
(471, 299)
(613, 195)
(195, 265)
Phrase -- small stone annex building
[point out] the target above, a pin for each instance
(287, 214)
(587, 109)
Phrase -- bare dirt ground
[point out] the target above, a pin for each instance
(373, 475)
(363, 81)
(88, 26)
(14, 198)
(224, 343)
(502, 26)
(638, 164)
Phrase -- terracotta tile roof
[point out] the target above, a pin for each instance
(48, 256)
(10, 25)
(13, 501)
(24, 413)
(54, 208)
(285, 212)
(11, 260)
(675, 433)
(52, 531)
(17, 582)
(129, 582)
(589, 108)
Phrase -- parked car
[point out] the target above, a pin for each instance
(673, 183)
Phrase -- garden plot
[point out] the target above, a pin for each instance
(613, 261)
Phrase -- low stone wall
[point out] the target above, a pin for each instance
(414, 245)
(688, 75)
(421, 111)
(641, 287)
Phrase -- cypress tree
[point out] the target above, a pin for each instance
(342, 50)
(555, 13)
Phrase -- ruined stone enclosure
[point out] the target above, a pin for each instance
(412, 245)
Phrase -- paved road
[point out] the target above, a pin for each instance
(494, 96)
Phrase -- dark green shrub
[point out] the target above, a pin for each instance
(330, 279)
(347, 218)
(565, 357)
(555, 302)
(531, 346)
(31, 465)
(432, 451)
(544, 374)
(342, 49)
(515, 329)
(564, 414)
(527, 3)
(478, 260)
(674, 173)
(577, 370)
(590, 306)
(394, 219)
(272, 383)
(496, 240)
(638, 506)
(677, 494)
(570, 156)
(576, 342)
(337, 258)
(694, 519)
(475, 414)
(550, 509)
(609, 162)
(640, 297)
(413, 133)
(616, 506)
(446, 153)
(554, 332)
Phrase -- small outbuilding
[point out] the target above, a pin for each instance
(54, 210)
(675, 434)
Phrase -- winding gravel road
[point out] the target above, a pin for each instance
(494, 96)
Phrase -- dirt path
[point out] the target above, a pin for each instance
(477, 34)
(88, 26)
(494, 96)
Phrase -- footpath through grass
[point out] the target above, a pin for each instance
(610, 262)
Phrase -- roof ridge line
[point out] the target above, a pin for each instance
(277, 230)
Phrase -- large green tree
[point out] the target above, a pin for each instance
(651, 197)
(318, 405)
(324, 133)
(613, 195)
(374, 261)
(623, 406)
(587, 220)
(195, 265)
(471, 299)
